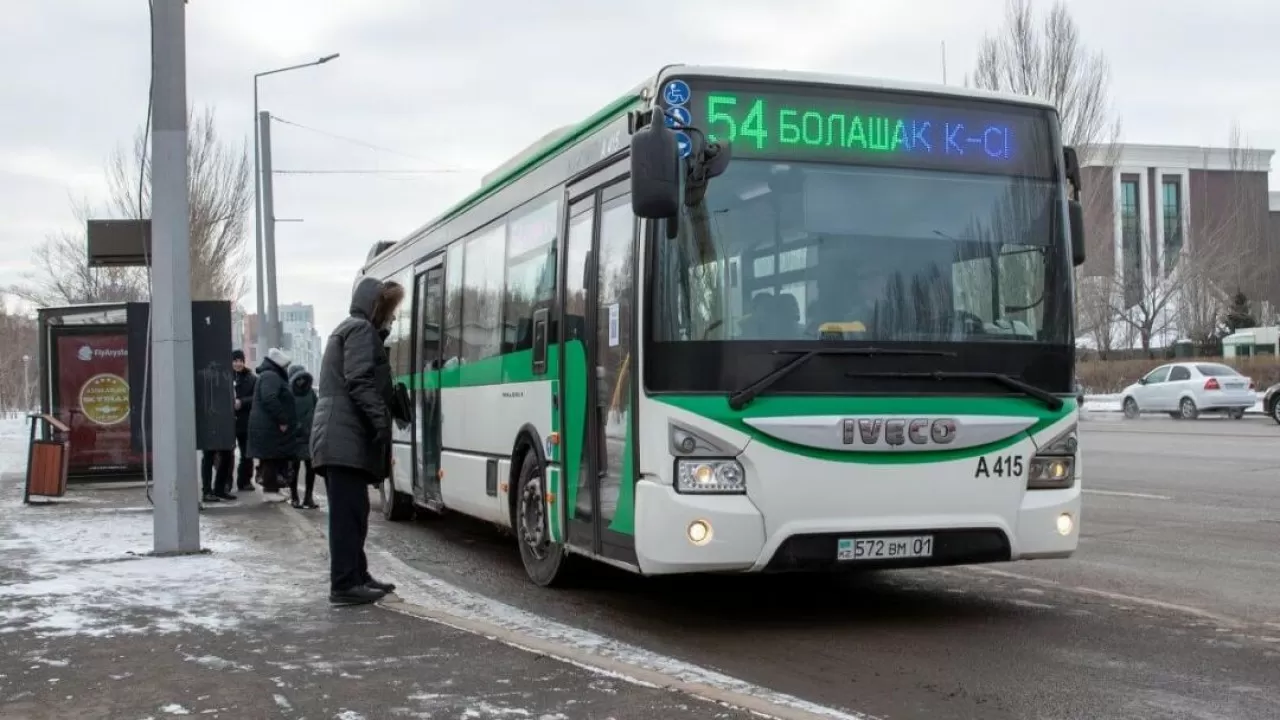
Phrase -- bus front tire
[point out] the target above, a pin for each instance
(546, 562)
(396, 506)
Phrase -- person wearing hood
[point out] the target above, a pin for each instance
(304, 399)
(244, 383)
(351, 434)
(273, 422)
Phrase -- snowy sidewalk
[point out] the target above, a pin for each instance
(90, 627)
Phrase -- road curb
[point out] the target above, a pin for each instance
(622, 670)
(581, 658)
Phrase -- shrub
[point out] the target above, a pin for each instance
(1101, 377)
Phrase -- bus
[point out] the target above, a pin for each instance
(745, 321)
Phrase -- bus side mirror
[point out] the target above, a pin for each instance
(1071, 168)
(1075, 217)
(1075, 211)
(655, 169)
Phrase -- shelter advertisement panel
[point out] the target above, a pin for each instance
(92, 398)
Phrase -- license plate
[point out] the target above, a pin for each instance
(885, 548)
(1233, 386)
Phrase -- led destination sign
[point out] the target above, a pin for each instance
(876, 128)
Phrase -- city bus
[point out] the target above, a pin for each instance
(745, 321)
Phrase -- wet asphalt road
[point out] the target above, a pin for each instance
(1170, 608)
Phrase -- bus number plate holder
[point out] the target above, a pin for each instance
(884, 548)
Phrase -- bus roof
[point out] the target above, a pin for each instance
(556, 141)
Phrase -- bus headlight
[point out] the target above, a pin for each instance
(710, 477)
(1054, 466)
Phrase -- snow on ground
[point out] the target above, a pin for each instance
(84, 574)
(71, 571)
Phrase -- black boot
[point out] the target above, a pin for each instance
(358, 595)
(210, 498)
(381, 586)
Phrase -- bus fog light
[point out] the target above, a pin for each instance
(699, 532)
(1065, 524)
(710, 477)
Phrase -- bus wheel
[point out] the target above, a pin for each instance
(396, 506)
(544, 560)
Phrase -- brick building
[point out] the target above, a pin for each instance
(1151, 208)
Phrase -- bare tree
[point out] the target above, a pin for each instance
(1225, 247)
(1095, 312)
(63, 276)
(1202, 303)
(1144, 299)
(1050, 62)
(18, 383)
(219, 199)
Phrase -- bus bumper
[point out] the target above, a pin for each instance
(737, 539)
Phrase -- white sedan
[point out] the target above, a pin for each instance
(1184, 390)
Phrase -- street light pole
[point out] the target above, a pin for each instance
(173, 446)
(269, 231)
(257, 199)
(257, 226)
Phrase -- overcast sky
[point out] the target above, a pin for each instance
(463, 85)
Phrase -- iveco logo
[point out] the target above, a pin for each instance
(898, 431)
(888, 434)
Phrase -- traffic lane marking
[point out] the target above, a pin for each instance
(1222, 620)
(1117, 493)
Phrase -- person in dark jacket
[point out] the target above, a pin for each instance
(273, 423)
(304, 398)
(351, 434)
(244, 383)
(215, 474)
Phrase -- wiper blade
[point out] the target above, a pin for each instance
(740, 398)
(1051, 401)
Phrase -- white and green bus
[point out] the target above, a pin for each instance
(753, 321)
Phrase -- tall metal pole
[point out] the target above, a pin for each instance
(269, 230)
(260, 335)
(173, 445)
(26, 382)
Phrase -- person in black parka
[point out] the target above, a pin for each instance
(245, 380)
(351, 433)
(304, 397)
(273, 423)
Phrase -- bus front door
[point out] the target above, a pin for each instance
(430, 294)
(598, 346)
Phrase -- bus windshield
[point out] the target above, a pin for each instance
(787, 251)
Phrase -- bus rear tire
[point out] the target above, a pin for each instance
(547, 563)
(396, 506)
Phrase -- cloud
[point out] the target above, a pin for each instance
(465, 85)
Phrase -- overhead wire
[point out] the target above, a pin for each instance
(344, 138)
(374, 171)
(371, 146)
(146, 255)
